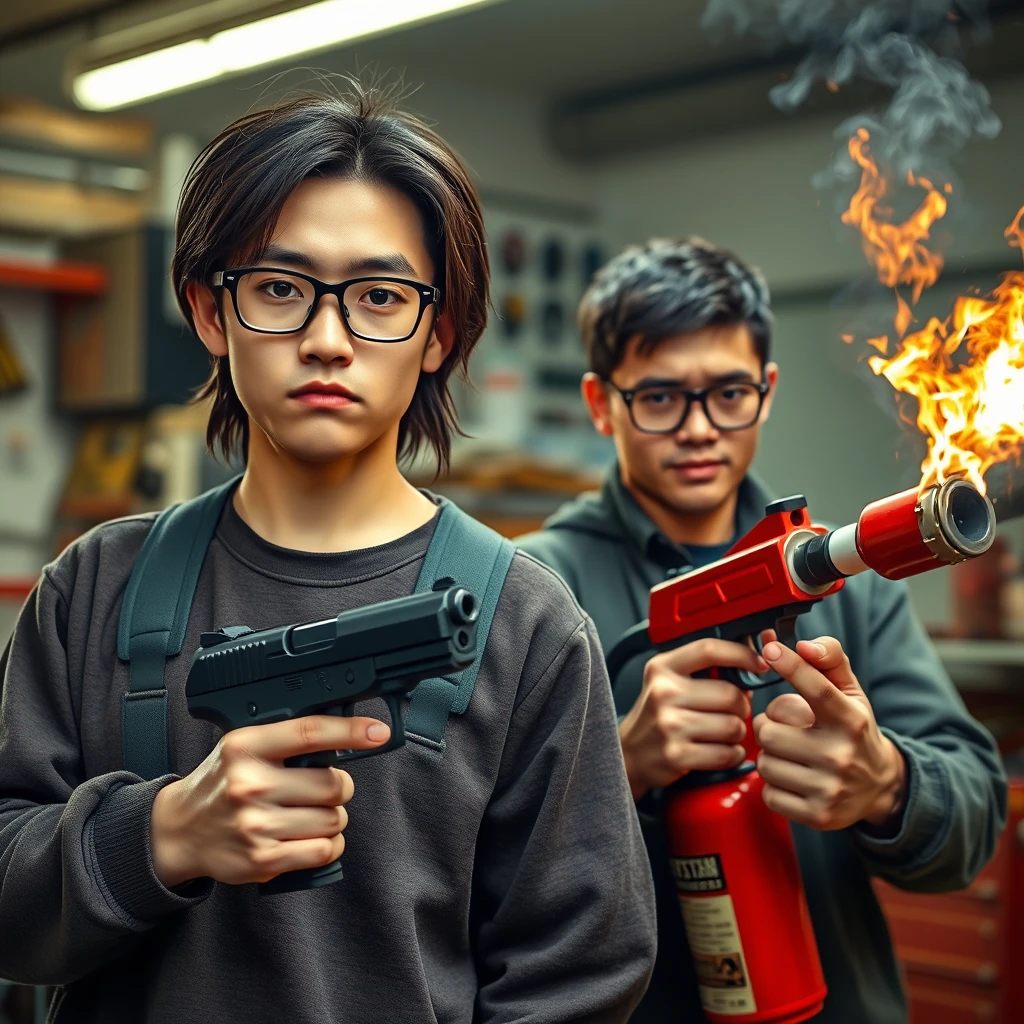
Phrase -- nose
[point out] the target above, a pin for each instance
(326, 337)
(696, 428)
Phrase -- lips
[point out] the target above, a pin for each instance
(323, 394)
(698, 470)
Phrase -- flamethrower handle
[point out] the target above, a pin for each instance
(637, 641)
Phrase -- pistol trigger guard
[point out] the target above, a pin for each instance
(394, 703)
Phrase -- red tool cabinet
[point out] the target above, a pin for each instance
(962, 953)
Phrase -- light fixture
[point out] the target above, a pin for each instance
(110, 82)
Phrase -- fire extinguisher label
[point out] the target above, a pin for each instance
(699, 874)
(713, 935)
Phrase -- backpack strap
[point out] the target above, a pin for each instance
(157, 601)
(154, 615)
(476, 557)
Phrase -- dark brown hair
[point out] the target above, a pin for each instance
(237, 185)
(667, 287)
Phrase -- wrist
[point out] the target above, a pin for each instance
(168, 849)
(887, 808)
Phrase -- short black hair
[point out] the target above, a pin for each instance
(666, 287)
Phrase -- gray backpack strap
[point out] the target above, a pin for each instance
(477, 558)
(154, 615)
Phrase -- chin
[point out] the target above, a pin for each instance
(324, 447)
(697, 499)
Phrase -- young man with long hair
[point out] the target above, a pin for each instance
(870, 752)
(330, 254)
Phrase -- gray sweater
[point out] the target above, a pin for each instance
(611, 554)
(503, 881)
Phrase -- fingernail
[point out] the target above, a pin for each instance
(378, 731)
(821, 650)
(772, 651)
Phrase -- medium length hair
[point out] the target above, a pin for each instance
(235, 190)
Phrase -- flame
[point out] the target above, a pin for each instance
(967, 371)
(897, 251)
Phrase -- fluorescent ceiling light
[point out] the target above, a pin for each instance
(318, 26)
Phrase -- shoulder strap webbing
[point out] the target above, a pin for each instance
(477, 558)
(154, 615)
(155, 610)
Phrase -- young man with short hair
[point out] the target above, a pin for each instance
(873, 758)
(331, 256)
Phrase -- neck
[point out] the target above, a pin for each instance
(716, 526)
(355, 502)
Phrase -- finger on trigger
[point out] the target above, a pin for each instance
(808, 680)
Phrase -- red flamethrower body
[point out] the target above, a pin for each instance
(733, 860)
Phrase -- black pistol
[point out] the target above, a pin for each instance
(241, 677)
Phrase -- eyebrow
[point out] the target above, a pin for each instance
(389, 263)
(732, 377)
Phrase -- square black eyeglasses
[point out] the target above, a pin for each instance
(270, 300)
(664, 408)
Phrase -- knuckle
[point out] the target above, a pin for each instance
(248, 822)
(676, 756)
(821, 818)
(311, 731)
(344, 787)
(836, 793)
(660, 689)
(738, 703)
(233, 745)
(242, 788)
(704, 649)
(665, 722)
(328, 850)
(323, 851)
(339, 820)
(264, 858)
(859, 726)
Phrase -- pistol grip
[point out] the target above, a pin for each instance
(303, 879)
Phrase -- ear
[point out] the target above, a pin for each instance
(771, 376)
(206, 315)
(442, 338)
(596, 397)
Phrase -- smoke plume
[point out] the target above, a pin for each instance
(909, 46)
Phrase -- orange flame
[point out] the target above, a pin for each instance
(967, 371)
(897, 251)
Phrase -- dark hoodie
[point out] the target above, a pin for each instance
(611, 554)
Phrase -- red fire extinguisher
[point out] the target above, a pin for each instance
(734, 861)
(738, 880)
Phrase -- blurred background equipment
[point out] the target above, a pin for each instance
(653, 118)
(12, 372)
